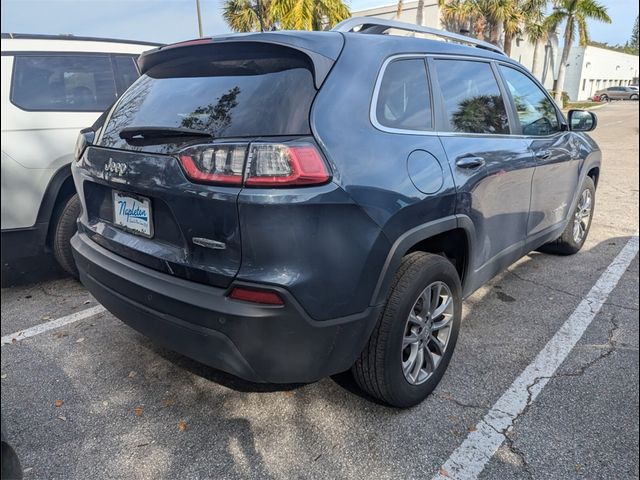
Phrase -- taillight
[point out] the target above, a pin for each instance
(278, 165)
(253, 295)
(219, 163)
(267, 164)
(85, 138)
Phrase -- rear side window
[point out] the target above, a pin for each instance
(126, 71)
(403, 99)
(75, 83)
(252, 93)
(471, 97)
(536, 112)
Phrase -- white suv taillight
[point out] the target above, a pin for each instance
(267, 164)
(278, 165)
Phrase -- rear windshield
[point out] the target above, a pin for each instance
(240, 97)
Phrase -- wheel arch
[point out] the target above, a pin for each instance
(451, 237)
(59, 189)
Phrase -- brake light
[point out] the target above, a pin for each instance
(280, 165)
(222, 163)
(267, 164)
(265, 297)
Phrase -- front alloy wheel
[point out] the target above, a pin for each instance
(582, 217)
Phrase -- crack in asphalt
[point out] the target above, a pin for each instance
(566, 292)
(609, 348)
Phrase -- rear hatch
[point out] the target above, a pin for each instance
(151, 191)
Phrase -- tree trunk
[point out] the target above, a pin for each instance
(508, 40)
(535, 66)
(419, 12)
(399, 9)
(562, 70)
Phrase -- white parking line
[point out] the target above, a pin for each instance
(470, 458)
(53, 324)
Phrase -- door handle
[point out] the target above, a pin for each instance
(543, 154)
(469, 162)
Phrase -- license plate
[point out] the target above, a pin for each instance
(132, 213)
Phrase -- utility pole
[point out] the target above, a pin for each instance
(199, 19)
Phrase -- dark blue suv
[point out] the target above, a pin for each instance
(285, 206)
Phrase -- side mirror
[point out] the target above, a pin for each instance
(582, 121)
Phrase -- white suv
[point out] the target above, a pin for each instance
(52, 86)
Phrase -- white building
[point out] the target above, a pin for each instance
(590, 69)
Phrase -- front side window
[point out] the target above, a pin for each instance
(403, 100)
(471, 97)
(536, 111)
(81, 83)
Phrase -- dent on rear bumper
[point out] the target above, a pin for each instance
(255, 342)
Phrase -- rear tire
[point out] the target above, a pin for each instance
(633, 97)
(604, 98)
(384, 370)
(65, 228)
(577, 230)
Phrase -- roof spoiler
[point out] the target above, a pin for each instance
(322, 50)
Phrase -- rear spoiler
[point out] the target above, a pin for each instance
(321, 48)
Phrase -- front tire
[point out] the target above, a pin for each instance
(577, 230)
(413, 341)
(65, 228)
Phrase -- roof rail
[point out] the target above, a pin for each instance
(380, 25)
(68, 36)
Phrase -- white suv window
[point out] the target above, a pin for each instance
(80, 83)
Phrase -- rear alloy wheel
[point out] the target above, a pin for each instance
(577, 229)
(604, 98)
(633, 97)
(64, 228)
(412, 343)
(427, 333)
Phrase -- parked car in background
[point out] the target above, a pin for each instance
(617, 93)
(52, 86)
(289, 205)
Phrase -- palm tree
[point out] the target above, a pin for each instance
(241, 15)
(419, 12)
(460, 15)
(536, 30)
(575, 13)
(310, 14)
(399, 8)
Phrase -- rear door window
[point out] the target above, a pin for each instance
(403, 99)
(471, 97)
(74, 83)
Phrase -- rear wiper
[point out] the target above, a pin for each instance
(149, 133)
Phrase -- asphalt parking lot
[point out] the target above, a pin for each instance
(94, 399)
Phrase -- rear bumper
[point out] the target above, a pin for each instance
(275, 344)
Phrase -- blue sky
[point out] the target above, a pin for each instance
(172, 20)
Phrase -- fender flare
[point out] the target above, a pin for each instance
(50, 197)
(417, 234)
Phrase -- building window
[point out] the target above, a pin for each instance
(584, 84)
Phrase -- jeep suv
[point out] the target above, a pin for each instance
(289, 205)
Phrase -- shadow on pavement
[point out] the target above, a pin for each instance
(40, 268)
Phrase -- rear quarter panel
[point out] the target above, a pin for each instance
(369, 164)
